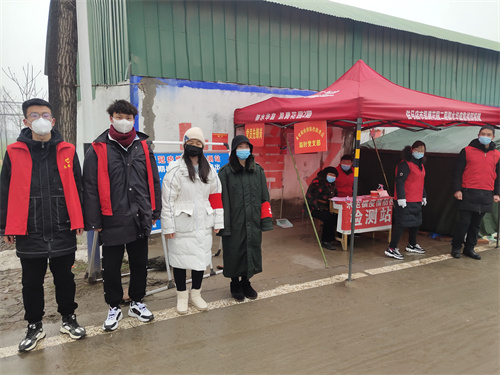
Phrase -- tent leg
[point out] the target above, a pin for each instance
(354, 193)
(305, 200)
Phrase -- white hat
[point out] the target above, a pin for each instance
(194, 133)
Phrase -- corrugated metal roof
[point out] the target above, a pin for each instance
(345, 11)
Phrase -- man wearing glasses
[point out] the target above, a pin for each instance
(40, 210)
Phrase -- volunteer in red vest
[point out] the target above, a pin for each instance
(409, 198)
(345, 178)
(477, 186)
(122, 202)
(40, 211)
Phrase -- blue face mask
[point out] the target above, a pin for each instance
(330, 179)
(418, 155)
(345, 167)
(243, 153)
(485, 140)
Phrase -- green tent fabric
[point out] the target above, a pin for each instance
(442, 147)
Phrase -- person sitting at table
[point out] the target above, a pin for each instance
(409, 197)
(345, 179)
(319, 192)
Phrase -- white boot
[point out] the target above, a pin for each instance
(182, 302)
(198, 302)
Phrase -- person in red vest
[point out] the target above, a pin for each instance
(122, 201)
(345, 178)
(409, 198)
(477, 185)
(40, 211)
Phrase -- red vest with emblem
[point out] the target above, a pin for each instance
(414, 184)
(20, 187)
(344, 183)
(480, 169)
(103, 184)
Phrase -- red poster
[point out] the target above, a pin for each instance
(219, 138)
(255, 134)
(372, 214)
(310, 136)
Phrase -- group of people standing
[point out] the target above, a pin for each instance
(45, 202)
(476, 185)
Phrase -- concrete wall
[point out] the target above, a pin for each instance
(168, 107)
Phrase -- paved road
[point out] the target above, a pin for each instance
(427, 315)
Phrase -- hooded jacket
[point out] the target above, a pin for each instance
(132, 213)
(49, 231)
(477, 176)
(246, 214)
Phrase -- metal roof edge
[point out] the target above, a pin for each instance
(331, 8)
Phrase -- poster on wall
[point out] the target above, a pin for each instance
(255, 134)
(216, 160)
(219, 138)
(310, 136)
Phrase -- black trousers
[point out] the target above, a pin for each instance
(329, 227)
(180, 279)
(33, 274)
(468, 224)
(397, 233)
(112, 258)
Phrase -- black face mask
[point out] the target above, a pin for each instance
(191, 150)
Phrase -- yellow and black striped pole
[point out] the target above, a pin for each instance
(354, 191)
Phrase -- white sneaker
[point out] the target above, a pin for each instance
(140, 311)
(114, 316)
(415, 249)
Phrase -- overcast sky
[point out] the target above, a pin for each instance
(23, 26)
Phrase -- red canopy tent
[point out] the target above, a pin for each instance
(365, 99)
(362, 93)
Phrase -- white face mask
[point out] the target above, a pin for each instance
(123, 125)
(41, 126)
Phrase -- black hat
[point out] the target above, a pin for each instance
(238, 140)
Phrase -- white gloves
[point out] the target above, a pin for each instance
(402, 203)
(424, 201)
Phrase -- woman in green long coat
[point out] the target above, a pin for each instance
(247, 213)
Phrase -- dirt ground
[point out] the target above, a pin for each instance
(87, 295)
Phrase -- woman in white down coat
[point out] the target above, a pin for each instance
(192, 206)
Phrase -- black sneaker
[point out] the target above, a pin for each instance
(394, 253)
(33, 335)
(248, 291)
(71, 327)
(415, 249)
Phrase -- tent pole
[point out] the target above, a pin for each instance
(381, 166)
(354, 192)
(498, 224)
(305, 200)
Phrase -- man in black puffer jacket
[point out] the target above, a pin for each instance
(476, 184)
(40, 207)
(122, 200)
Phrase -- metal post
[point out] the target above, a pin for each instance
(354, 192)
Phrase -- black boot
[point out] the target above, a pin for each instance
(236, 290)
(472, 254)
(248, 291)
(456, 253)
